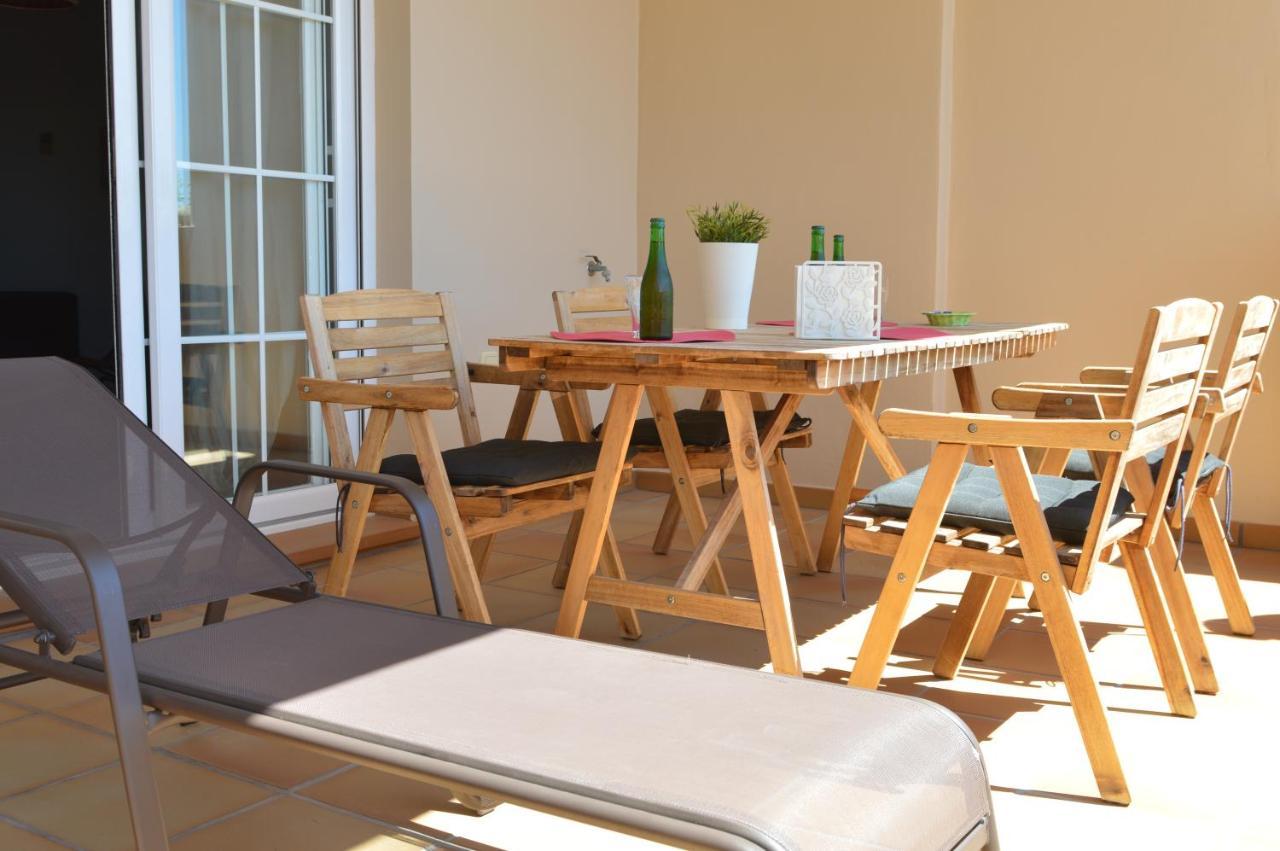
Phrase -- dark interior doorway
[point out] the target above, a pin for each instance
(57, 268)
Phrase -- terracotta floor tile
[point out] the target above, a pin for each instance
(96, 712)
(288, 823)
(90, 811)
(386, 797)
(15, 839)
(256, 757)
(47, 694)
(38, 749)
(8, 711)
(390, 586)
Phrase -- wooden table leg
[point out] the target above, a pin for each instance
(846, 480)
(971, 402)
(749, 462)
(614, 439)
(682, 481)
(707, 548)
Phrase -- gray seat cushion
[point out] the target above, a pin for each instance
(978, 501)
(786, 762)
(1080, 467)
(504, 463)
(700, 428)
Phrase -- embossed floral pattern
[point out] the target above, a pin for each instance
(838, 301)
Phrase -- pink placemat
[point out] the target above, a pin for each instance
(791, 323)
(705, 336)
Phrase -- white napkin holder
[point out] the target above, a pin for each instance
(839, 300)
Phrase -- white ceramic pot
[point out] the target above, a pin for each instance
(728, 276)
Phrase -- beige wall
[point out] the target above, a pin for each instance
(524, 156)
(817, 113)
(1111, 156)
(394, 144)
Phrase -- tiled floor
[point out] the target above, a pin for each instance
(1207, 782)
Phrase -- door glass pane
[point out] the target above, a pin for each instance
(252, 101)
(296, 257)
(215, 112)
(319, 7)
(289, 421)
(221, 413)
(217, 253)
(294, 96)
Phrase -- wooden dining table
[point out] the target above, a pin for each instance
(762, 359)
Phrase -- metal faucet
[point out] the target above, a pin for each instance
(595, 265)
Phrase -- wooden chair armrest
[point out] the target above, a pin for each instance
(1106, 374)
(999, 430)
(529, 379)
(1054, 400)
(404, 397)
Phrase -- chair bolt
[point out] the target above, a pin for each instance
(671, 599)
(973, 428)
(1044, 577)
(448, 531)
(1068, 401)
(306, 388)
(902, 577)
(388, 394)
(681, 480)
(355, 503)
(1115, 435)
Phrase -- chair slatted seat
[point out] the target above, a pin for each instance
(1119, 425)
(408, 342)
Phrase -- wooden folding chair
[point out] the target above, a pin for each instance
(423, 341)
(1227, 391)
(997, 525)
(692, 462)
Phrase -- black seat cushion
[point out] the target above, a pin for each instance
(977, 501)
(700, 428)
(504, 463)
(1080, 467)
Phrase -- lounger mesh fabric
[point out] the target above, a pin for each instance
(978, 501)
(71, 453)
(701, 428)
(793, 764)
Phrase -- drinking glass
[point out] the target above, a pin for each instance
(632, 283)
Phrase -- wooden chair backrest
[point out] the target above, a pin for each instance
(591, 309)
(348, 341)
(1160, 399)
(1238, 368)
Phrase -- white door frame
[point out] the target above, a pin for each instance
(156, 192)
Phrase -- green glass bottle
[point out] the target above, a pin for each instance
(817, 244)
(657, 307)
(837, 248)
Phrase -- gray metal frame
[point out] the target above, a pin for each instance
(120, 676)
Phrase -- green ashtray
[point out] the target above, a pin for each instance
(948, 318)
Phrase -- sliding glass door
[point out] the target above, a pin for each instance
(262, 211)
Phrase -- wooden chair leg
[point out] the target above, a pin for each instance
(971, 401)
(975, 601)
(611, 566)
(481, 548)
(566, 551)
(355, 508)
(436, 482)
(792, 518)
(667, 525)
(846, 479)
(984, 635)
(908, 565)
(1159, 628)
(1064, 631)
(1222, 563)
(614, 439)
(684, 487)
(762, 535)
(1190, 633)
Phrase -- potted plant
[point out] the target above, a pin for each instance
(730, 241)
